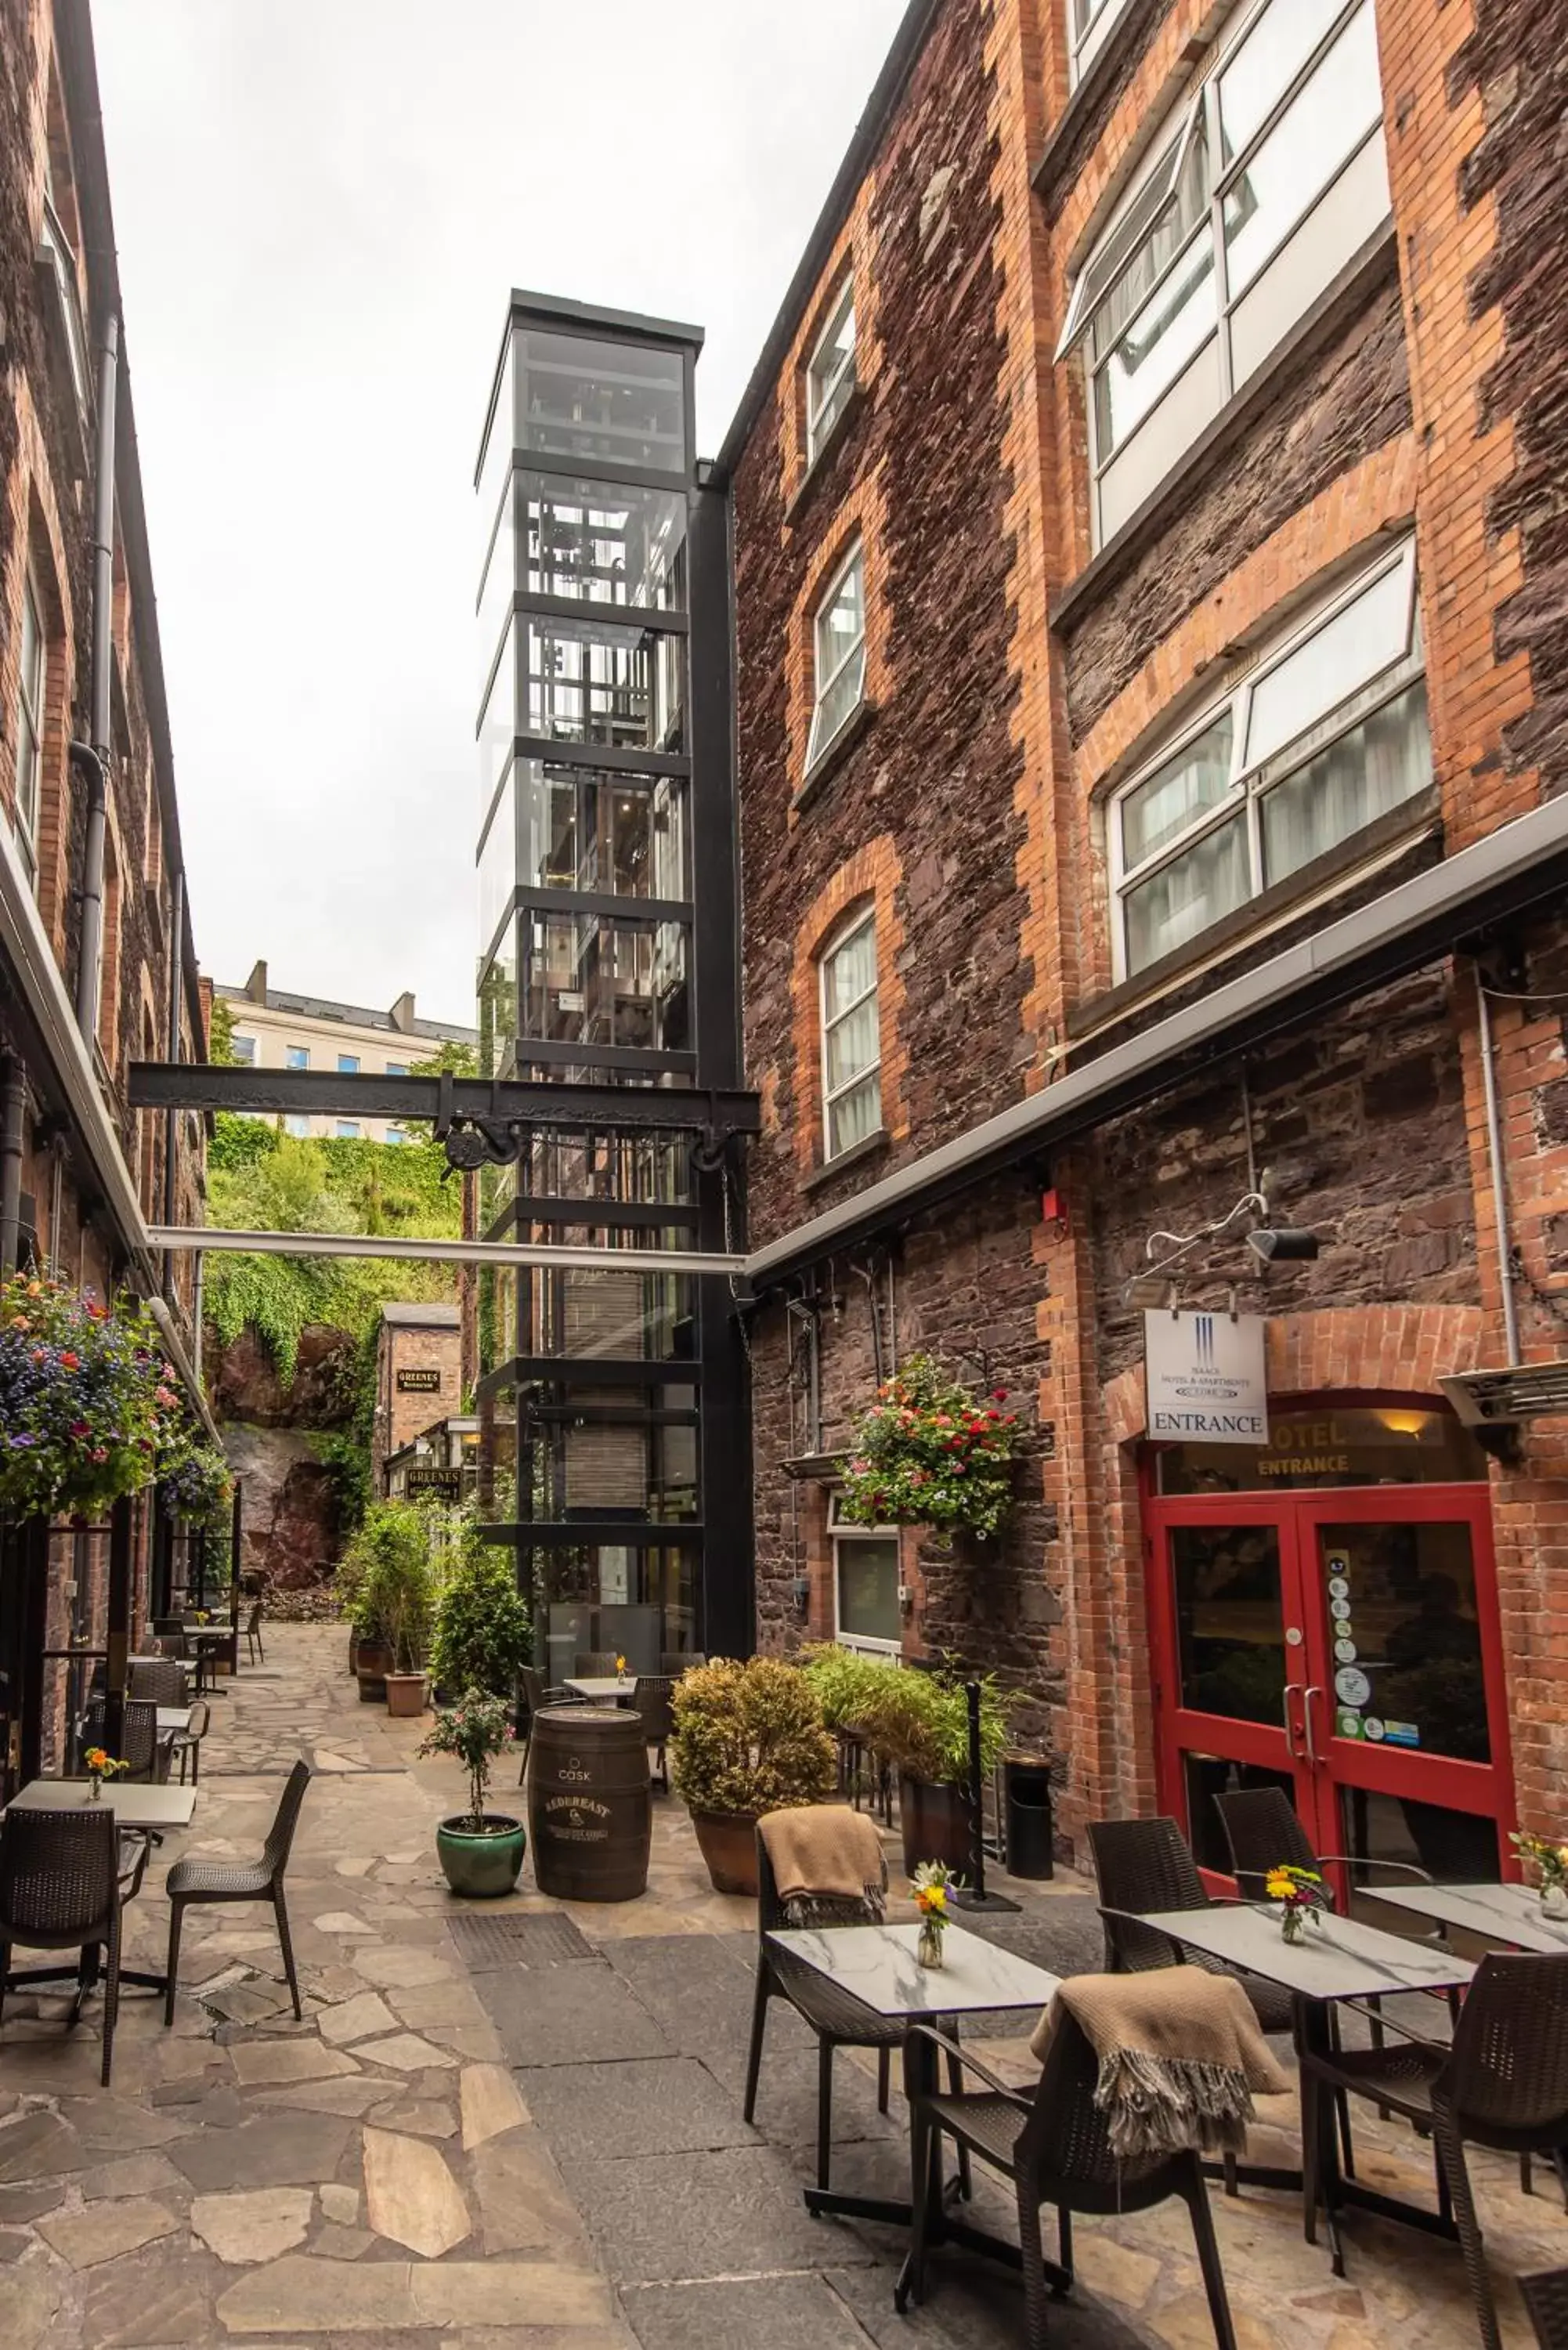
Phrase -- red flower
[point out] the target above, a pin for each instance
(999, 1395)
(69, 1362)
(80, 1427)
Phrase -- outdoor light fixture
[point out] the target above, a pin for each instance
(1284, 1244)
(1149, 1291)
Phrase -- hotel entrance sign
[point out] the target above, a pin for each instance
(1205, 1378)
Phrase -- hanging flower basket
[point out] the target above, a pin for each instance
(928, 1453)
(86, 1399)
(196, 1479)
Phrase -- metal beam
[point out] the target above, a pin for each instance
(329, 1093)
(404, 1246)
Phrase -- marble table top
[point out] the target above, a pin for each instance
(1498, 1913)
(1340, 1959)
(133, 1804)
(876, 1964)
(602, 1691)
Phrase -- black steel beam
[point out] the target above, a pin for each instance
(323, 1093)
(539, 1533)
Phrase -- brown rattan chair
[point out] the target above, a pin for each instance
(169, 1631)
(673, 1662)
(159, 1681)
(650, 1699)
(1546, 2299)
(594, 1664)
(65, 1877)
(533, 1697)
(1053, 2144)
(255, 1652)
(187, 1746)
(1144, 1865)
(1502, 2082)
(139, 1745)
(1263, 1831)
(260, 1880)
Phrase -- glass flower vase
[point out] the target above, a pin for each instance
(95, 1787)
(1555, 1900)
(1292, 1921)
(928, 1948)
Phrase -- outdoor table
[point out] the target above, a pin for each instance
(602, 1691)
(173, 1718)
(1496, 1913)
(135, 1806)
(876, 1965)
(1340, 1959)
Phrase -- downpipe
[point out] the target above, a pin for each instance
(91, 759)
(1499, 1185)
(13, 1111)
(171, 1116)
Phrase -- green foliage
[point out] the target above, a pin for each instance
(482, 1624)
(87, 1409)
(749, 1738)
(345, 1451)
(221, 1034)
(238, 1142)
(847, 1684)
(918, 1722)
(476, 1730)
(928, 1454)
(388, 1567)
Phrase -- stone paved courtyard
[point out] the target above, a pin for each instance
(456, 2151)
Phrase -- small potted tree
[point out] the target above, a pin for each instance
(481, 1852)
(482, 1633)
(749, 1738)
(392, 1609)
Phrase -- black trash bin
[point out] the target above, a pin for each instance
(1031, 1828)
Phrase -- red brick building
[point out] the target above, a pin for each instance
(1151, 660)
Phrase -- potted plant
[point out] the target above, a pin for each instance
(926, 1453)
(918, 1722)
(481, 1632)
(481, 1852)
(749, 1738)
(392, 1604)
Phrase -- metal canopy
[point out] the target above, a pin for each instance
(437, 1252)
(1524, 1391)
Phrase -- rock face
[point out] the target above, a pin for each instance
(245, 1386)
(290, 1516)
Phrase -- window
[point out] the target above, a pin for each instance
(830, 372)
(1089, 24)
(348, 1065)
(866, 1584)
(396, 1069)
(840, 649)
(348, 1130)
(30, 730)
(297, 1056)
(1326, 733)
(851, 1038)
(298, 1127)
(1270, 182)
(244, 1051)
(396, 1134)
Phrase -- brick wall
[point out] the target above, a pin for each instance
(402, 1413)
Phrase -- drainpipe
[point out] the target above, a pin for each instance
(91, 760)
(1499, 1190)
(13, 1106)
(172, 1117)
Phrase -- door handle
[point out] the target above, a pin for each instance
(1291, 1688)
(1307, 1696)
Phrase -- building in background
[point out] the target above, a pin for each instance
(1151, 656)
(275, 1030)
(96, 964)
(419, 1378)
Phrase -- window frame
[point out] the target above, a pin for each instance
(32, 702)
(246, 1059)
(863, 1644)
(1085, 46)
(828, 404)
(297, 1056)
(348, 1130)
(816, 750)
(1146, 201)
(348, 1064)
(864, 917)
(1253, 780)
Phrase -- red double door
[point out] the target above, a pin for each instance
(1346, 1646)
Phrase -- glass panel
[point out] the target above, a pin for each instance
(1229, 1625)
(831, 376)
(498, 863)
(1400, 1607)
(1372, 769)
(849, 971)
(610, 1599)
(868, 1589)
(1179, 215)
(841, 624)
(583, 683)
(853, 1044)
(839, 702)
(854, 1115)
(1207, 882)
(1369, 635)
(621, 836)
(1323, 126)
(587, 981)
(498, 1006)
(609, 1457)
(1196, 779)
(1208, 1775)
(622, 1316)
(625, 1167)
(1316, 1446)
(1145, 361)
(1267, 62)
(1455, 1847)
(587, 541)
(580, 398)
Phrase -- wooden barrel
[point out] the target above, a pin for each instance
(590, 1802)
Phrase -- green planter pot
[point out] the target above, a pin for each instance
(481, 1867)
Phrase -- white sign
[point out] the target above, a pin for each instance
(1205, 1378)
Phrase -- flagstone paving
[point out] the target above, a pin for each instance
(457, 2151)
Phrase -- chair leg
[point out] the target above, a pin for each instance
(5, 1974)
(823, 2111)
(1526, 2175)
(966, 2180)
(1311, 2182)
(754, 2052)
(176, 1921)
(919, 2192)
(281, 1908)
(1209, 2261)
(884, 2077)
(1036, 2294)
(1472, 2244)
(1064, 2242)
(110, 2001)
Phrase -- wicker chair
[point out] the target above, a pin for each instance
(187, 1746)
(169, 1631)
(260, 1880)
(255, 1652)
(839, 2020)
(139, 1745)
(159, 1681)
(533, 1697)
(1502, 2082)
(1546, 2299)
(1263, 1830)
(1147, 1864)
(1054, 2146)
(673, 1662)
(650, 1699)
(65, 1877)
(596, 1666)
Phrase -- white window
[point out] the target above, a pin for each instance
(30, 730)
(851, 1037)
(839, 633)
(1326, 733)
(297, 1126)
(866, 1584)
(297, 1056)
(1089, 24)
(830, 372)
(348, 1130)
(1269, 183)
(244, 1051)
(396, 1134)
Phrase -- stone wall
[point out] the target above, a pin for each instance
(289, 1523)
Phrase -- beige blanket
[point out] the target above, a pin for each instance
(1181, 2055)
(824, 1850)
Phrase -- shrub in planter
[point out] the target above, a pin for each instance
(393, 1606)
(918, 1724)
(749, 1738)
(482, 1634)
(481, 1852)
(926, 1453)
(86, 1399)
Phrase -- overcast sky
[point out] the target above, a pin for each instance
(320, 206)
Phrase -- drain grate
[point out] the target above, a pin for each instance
(544, 1942)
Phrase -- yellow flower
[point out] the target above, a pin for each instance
(931, 1900)
(1280, 1885)
(620, 1665)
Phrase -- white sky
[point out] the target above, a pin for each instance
(320, 206)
